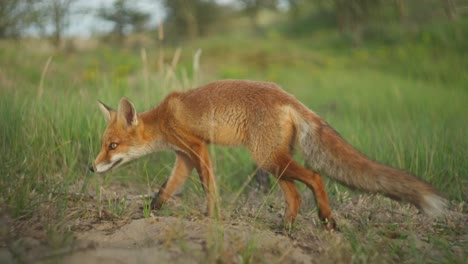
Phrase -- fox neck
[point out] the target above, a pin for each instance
(151, 129)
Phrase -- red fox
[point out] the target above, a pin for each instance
(269, 122)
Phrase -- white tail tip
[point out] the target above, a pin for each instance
(434, 205)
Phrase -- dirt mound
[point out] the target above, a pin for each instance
(372, 229)
(183, 241)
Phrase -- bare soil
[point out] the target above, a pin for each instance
(372, 229)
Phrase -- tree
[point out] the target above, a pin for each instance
(402, 9)
(191, 18)
(253, 7)
(59, 13)
(450, 9)
(124, 18)
(353, 15)
(16, 16)
(294, 8)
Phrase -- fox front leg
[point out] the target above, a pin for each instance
(182, 168)
(202, 162)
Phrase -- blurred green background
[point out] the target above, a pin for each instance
(390, 76)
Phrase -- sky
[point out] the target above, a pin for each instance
(84, 22)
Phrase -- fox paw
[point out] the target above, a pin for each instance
(330, 224)
(156, 203)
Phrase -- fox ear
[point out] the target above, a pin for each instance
(127, 112)
(106, 110)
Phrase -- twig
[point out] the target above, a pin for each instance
(161, 47)
(77, 196)
(63, 252)
(85, 196)
(170, 74)
(139, 197)
(40, 89)
(196, 67)
(144, 61)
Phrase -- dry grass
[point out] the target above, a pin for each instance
(53, 132)
(372, 229)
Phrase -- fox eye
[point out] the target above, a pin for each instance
(112, 146)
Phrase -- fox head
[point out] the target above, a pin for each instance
(123, 139)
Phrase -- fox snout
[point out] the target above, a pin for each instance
(101, 168)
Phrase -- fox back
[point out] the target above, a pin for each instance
(270, 123)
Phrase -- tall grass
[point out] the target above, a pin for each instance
(50, 125)
(51, 133)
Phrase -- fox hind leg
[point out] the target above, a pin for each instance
(293, 201)
(314, 181)
(286, 169)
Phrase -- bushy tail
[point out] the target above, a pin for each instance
(328, 153)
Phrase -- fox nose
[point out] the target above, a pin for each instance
(91, 168)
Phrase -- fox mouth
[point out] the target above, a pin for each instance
(115, 164)
(111, 167)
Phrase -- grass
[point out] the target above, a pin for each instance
(398, 104)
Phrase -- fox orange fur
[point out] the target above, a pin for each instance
(269, 122)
